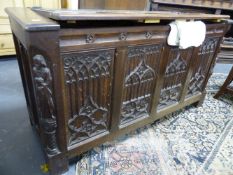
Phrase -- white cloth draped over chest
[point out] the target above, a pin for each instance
(186, 34)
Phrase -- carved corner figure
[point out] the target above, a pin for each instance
(45, 104)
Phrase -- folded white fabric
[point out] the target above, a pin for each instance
(186, 34)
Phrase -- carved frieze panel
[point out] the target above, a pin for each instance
(88, 77)
(45, 101)
(169, 96)
(175, 75)
(203, 61)
(142, 68)
(90, 120)
(136, 107)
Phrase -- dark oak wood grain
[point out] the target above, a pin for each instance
(217, 4)
(88, 84)
(122, 15)
(114, 4)
(31, 21)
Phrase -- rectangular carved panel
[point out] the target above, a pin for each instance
(140, 77)
(175, 75)
(204, 58)
(88, 77)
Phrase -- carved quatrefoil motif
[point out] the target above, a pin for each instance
(123, 36)
(90, 38)
(148, 35)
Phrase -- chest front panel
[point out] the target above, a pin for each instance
(175, 76)
(88, 79)
(202, 64)
(142, 67)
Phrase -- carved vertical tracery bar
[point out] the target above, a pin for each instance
(142, 66)
(204, 58)
(88, 77)
(45, 101)
(175, 75)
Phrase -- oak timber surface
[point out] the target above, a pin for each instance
(226, 5)
(86, 86)
(31, 20)
(122, 15)
(114, 4)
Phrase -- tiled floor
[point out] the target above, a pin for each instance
(20, 151)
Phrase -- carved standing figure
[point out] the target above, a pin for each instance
(43, 79)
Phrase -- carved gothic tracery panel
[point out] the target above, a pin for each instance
(142, 65)
(175, 76)
(88, 77)
(141, 74)
(177, 65)
(203, 61)
(90, 120)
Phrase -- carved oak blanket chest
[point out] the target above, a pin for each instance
(90, 76)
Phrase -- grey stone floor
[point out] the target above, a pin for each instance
(20, 151)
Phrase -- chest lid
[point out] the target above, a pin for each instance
(93, 15)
